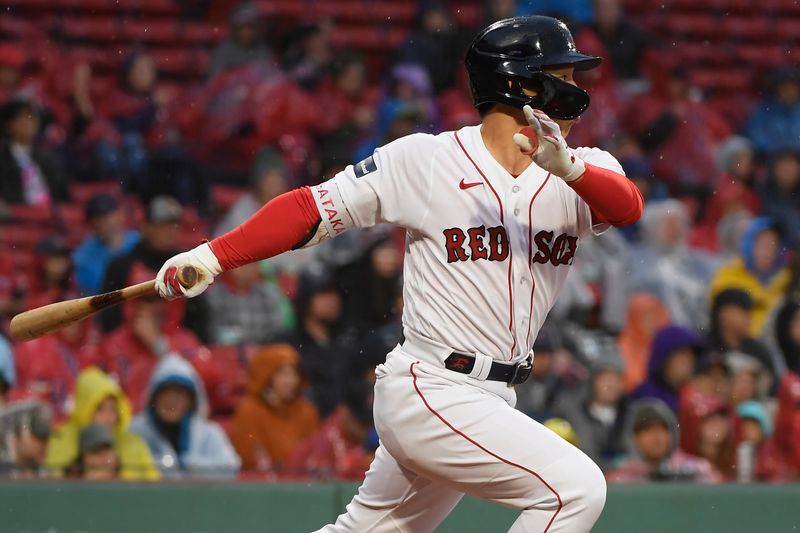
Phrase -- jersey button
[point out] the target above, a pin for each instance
(516, 211)
(515, 188)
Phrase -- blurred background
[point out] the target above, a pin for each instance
(133, 129)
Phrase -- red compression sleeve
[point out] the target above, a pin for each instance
(612, 197)
(286, 222)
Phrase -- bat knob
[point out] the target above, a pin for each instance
(187, 276)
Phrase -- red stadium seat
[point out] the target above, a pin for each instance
(31, 214)
(787, 29)
(699, 25)
(201, 33)
(766, 55)
(105, 29)
(224, 196)
(750, 28)
(152, 31)
(705, 53)
(81, 192)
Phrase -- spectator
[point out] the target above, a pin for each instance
(8, 374)
(24, 430)
(787, 334)
(269, 178)
(47, 366)
(243, 309)
(175, 425)
(646, 316)
(736, 163)
(99, 400)
(671, 365)
(652, 434)
(749, 379)
(596, 411)
(434, 43)
(150, 332)
(722, 226)
(731, 316)
(109, 240)
(244, 45)
(756, 446)
(370, 285)
(97, 459)
(347, 103)
(536, 398)
(52, 278)
(760, 270)
(775, 125)
(159, 242)
(576, 11)
(677, 131)
(273, 418)
(781, 193)
(309, 54)
(706, 432)
(323, 345)
(31, 174)
(494, 10)
(626, 44)
(665, 266)
(340, 448)
(133, 109)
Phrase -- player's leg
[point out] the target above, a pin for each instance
(475, 442)
(393, 499)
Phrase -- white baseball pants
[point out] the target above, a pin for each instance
(444, 434)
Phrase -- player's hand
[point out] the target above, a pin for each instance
(543, 142)
(201, 258)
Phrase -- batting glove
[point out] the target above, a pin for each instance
(202, 259)
(543, 142)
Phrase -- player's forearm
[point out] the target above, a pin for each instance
(612, 196)
(285, 223)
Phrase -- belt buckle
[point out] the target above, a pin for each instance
(522, 371)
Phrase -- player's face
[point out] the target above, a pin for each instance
(106, 413)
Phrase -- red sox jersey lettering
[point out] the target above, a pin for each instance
(483, 267)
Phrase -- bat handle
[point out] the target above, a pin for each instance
(187, 276)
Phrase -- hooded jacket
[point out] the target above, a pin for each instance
(91, 388)
(665, 343)
(263, 434)
(677, 466)
(646, 315)
(765, 289)
(204, 449)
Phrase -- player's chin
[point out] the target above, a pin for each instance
(566, 126)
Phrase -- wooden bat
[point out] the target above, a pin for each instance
(49, 318)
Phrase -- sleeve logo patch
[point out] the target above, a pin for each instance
(362, 168)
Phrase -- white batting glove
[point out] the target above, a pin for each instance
(542, 140)
(202, 258)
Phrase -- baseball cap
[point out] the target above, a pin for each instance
(99, 205)
(94, 437)
(163, 209)
(648, 415)
(34, 416)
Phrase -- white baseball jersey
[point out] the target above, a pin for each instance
(486, 253)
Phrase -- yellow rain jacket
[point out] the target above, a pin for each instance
(91, 388)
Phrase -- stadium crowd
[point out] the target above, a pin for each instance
(672, 354)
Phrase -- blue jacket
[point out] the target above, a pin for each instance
(92, 257)
(204, 449)
(7, 370)
(774, 127)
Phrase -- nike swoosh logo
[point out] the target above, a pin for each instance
(464, 186)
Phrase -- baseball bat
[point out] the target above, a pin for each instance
(49, 318)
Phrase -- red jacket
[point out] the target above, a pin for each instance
(787, 422)
(330, 453)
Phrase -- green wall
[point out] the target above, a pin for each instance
(64, 507)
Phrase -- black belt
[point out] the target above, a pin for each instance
(511, 374)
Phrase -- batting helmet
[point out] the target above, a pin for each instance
(516, 50)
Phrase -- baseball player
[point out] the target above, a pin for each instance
(494, 214)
